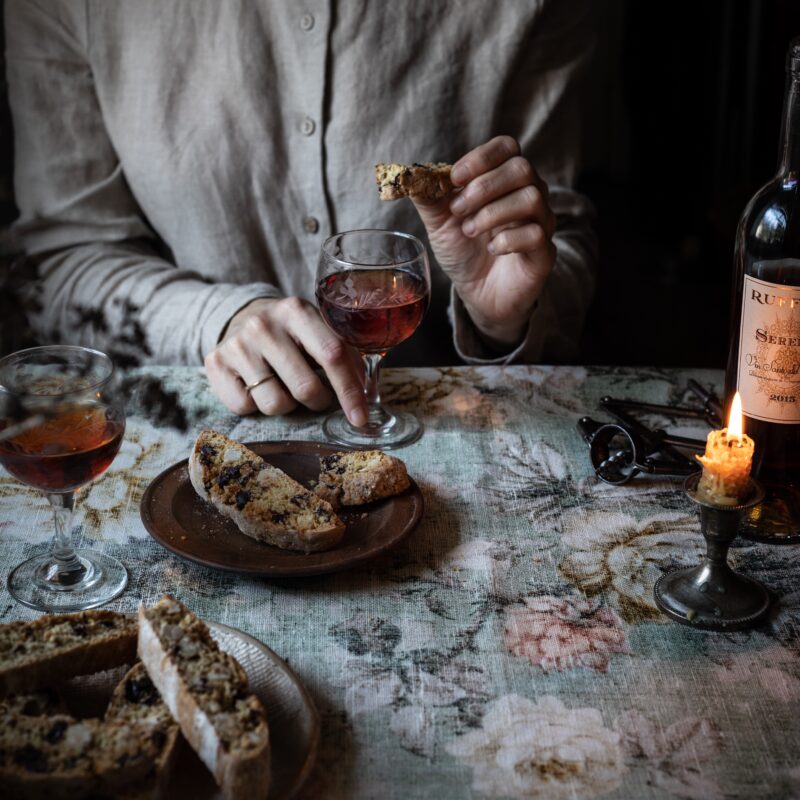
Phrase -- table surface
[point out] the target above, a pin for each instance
(510, 647)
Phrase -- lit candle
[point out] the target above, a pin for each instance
(727, 461)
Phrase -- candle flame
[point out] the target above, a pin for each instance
(735, 422)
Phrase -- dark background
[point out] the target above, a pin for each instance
(683, 126)
(683, 112)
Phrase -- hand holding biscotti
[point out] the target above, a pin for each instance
(493, 237)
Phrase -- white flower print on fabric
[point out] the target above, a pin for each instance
(616, 555)
(541, 749)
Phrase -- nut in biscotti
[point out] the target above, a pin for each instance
(426, 181)
(359, 477)
(264, 502)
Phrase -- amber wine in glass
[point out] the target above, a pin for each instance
(61, 424)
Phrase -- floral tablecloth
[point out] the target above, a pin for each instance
(510, 646)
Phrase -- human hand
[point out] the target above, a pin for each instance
(273, 337)
(494, 237)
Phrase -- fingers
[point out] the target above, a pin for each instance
(275, 339)
(483, 158)
(521, 239)
(227, 386)
(513, 174)
(520, 206)
(502, 190)
(337, 359)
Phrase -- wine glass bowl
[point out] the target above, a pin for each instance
(62, 422)
(373, 288)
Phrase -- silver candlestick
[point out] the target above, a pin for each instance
(712, 596)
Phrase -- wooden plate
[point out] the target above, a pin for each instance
(184, 523)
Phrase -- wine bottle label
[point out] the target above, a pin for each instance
(769, 349)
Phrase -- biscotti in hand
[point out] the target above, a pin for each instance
(206, 692)
(264, 502)
(422, 181)
(361, 476)
(59, 646)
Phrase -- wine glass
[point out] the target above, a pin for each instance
(373, 288)
(61, 424)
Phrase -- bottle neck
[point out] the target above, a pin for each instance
(789, 153)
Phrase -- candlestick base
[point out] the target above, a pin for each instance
(712, 596)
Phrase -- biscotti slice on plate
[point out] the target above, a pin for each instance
(137, 701)
(422, 181)
(206, 692)
(358, 477)
(264, 502)
(59, 646)
(62, 757)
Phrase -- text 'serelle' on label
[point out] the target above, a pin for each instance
(769, 351)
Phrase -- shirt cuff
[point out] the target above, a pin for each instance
(232, 299)
(473, 350)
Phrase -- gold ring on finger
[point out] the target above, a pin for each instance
(250, 386)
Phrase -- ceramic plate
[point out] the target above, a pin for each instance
(183, 522)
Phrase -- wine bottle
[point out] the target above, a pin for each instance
(764, 358)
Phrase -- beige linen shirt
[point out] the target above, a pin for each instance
(184, 157)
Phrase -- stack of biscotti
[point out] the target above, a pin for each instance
(264, 502)
(45, 752)
(360, 476)
(59, 646)
(206, 692)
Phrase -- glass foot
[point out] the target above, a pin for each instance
(397, 430)
(711, 599)
(38, 583)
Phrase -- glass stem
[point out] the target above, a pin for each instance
(66, 567)
(372, 367)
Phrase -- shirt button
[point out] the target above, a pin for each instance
(307, 22)
(307, 126)
(311, 224)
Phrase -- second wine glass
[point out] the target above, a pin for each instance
(373, 289)
(62, 419)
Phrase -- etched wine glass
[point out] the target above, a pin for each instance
(62, 420)
(373, 288)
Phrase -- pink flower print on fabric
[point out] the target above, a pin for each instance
(558, 633)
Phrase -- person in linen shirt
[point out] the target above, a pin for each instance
(183, 161)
